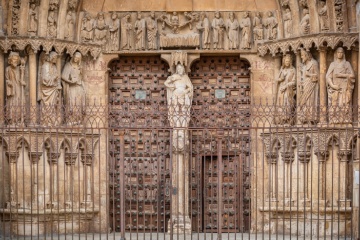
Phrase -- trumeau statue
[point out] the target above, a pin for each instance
(51, 24)
(100, 29)
(204, 27)
(87, 28)
(74, 92)
(152, 30)
(218, 27)
(288, 25)
(179, 97)
(114, 27)
(305, 22)
(232, 26)
(126, 32)
(309, 93)
(245, 25)
(324, 16)
(139, 29)
(340, 79)
(49, 82)
(286, 91)
(33, 20)
(70, 25)
(258, 27)
(15, 86)
(271, 24)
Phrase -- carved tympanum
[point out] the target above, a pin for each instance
(271, 25)
(258, 27)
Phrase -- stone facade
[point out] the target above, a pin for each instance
(56, 58)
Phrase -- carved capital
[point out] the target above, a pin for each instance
(322, 155)
(87, 158)
(272, 157)
(13, 157)
(70, 158)
(288, 157)
(53, 158)
(344, 155)
(304, 156)
(35, 156)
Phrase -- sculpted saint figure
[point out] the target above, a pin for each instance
(114, 32)
(245, 26)
(33, 20)
(69, 25)
(204, 27)
(271, 24)
(286, 91)
(152, 30)
(87, 28)
(305, 22)
(232, 26)
(74, 92)
(340, 79)
(288, 25)
(179, 97)
(100, 29)
(258, 27)
(126, 32)
(52, 24)
(309, 93)
(324, 17)
(218, 26)
(15, 86)
(139, 30)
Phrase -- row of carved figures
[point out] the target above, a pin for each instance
(340, 80)
(53, 86)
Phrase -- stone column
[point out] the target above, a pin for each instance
(277, 66)
(322, 157)
(35, 158)
(70, 160)
(343, 157)
(220, 135)
(53, 159)
(298, 81)
(288, 158)
(32, 84)
(13, 158)
(87, 160)
(322, 85)
(272, 159)
(304, 159)
(2, 87)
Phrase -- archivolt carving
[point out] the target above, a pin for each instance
(331, 40)
(6, 44)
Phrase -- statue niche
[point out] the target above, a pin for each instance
(340, 80)
(33, 20)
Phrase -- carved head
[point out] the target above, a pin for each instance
(202, 15)
(339, 53)
(287, 10)
(180, 69)
(174, 13)
(270, 14)
(217, 14)
(322, 3)
(77, 58)
(32, 6)
(305, 11)
(258, 14)
(139, 15)
(53, 57)
(14, 59)
(114, 16)
(100, 15)
(231, 16)
(305, 55)
(287, 61)
(152, 14)
(246, 14)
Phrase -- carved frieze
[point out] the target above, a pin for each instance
(15, 17)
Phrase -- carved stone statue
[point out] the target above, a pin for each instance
(51, 24)
(87, 28)
(232, 27)
(286, 91)
(152, 30)
(50, 83)
(100, 29)
(340, 79)
(309, 93)
(114, 32)
(271, 24)
(324, 16)
(288, 25)
(69, 25)
(258, 27)
(218, 27)
(15, 87)
(204, 27)
(139, 29)
(33, 20)
(305, 22)
(126, 32)
(74, 92)
(245, 25)
(179, 97)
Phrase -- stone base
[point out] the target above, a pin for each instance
(344, 203)
(12, 205)
(180, 225)
(86, 204)
(305, 203)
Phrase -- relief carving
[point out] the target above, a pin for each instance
(51, 25)
(288, 24)
(15, 87)
(271, 25)
(100, 29)
(339, 15)
(258, 27)
(15, 17)
(70, 25)
(285, 92)
(309, 89)
(126, 32)
(245, 26)
(87, 28)
(139, 29)
(340, 79)
(232, 26)
(324, 16)
(33, 20)
(305, 22)
(218, 27)
(152, 30)
(204, 28)
(114, 27)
